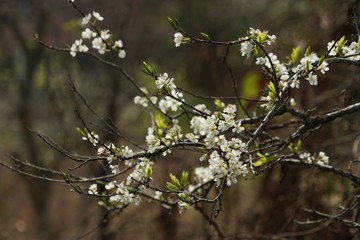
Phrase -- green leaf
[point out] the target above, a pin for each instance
(320, 61)
(262, 160)
(150, 70)
(159, 121)
(298, 146)
(358, 44)
(175, 181)
(295, 149)
(261, 38)
(66, 176)
(172, 187)
(341, 42)
(307, 51)
(173, 23)
(80, 132)
(77, 188)
(271, 87)
(219, 104)
(184, 198)
(204, 35)
(184, 179)
(294, 55)
(148, 171)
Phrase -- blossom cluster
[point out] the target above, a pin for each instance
(321, 158)
(339, 48)
(122, 194)
(100, 39)
(254, 39)
(284, 74)
(218, 134)
(224, 161)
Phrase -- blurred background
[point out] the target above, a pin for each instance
(35, 94)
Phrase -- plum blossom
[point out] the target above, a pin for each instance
(86, 19)
(87, 34)
(97, 16)
(246, 48)
(93, 189)
(99, 44)
(105, 34)
(78, 46)
(178, 37)
(164, 81)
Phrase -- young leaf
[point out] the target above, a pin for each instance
(175, 181)
(65, 176)
(219, 104)
(294, 55)
(159, 121)
(80, 132)
(148, 171)
(172, 187)
(173, 23)
(184, 197)
(358, 44)
(262, 160)
(184, 179)
(204, 35)
(150, 70)
(341, 42)
(298, 146)
(271, 87)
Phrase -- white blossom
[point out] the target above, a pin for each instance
(93, 190)
(246, 48)
(86, 19)
(87, 34)
(118, 44)
(105, 34)
(78, 46)
(110, 185)
(312, 78)
(178, 37)
(97, 16)
(158, 195)
(322, 159)
(99, 44)
(92, 138)
(164, 81)
(292, 102)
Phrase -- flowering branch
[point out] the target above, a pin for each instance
(227, 146)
